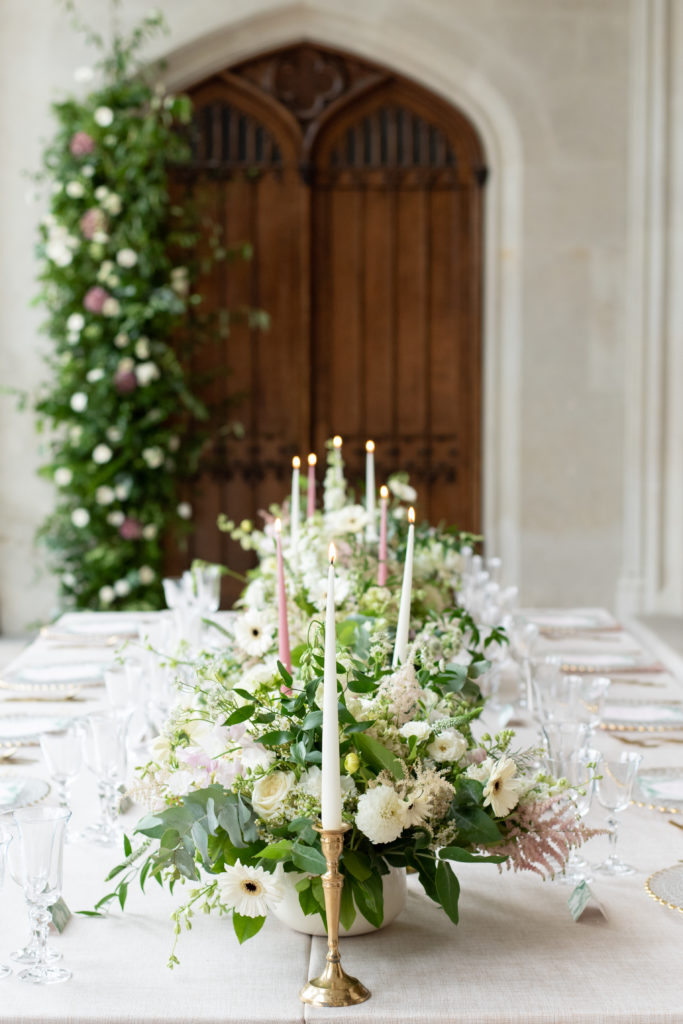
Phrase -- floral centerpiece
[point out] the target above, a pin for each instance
(234, 785)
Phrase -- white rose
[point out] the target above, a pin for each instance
(113, 205)
(154, 457)
(185, 510)
(102, 453)
(111, 307)
(146, 373)
(142, 349)
(63, 476)
(87, 170)
(270, 791)
(149, 532)
(122, 588)
(74, 190)
(126, 258)
(101, 192)
(121, 340)
(104, 116)
(147, 575)
(92, 376)
(115, 518)
(419, 729)
(449, 745)
(107, 595)
(113, 434)
(104, 495)
(80, 517)
(79, 401)
(75, 323)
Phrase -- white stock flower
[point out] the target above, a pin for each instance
(95, 375)
(146, 373)
(250, 891)
(115, 518)
(253, 632)
(381, 815)
(75, 323)
(122, 588)
(79, 401)
(502, 789)
(349, 519)
(104, 116)
(270, 791)
(419, 729)
(63, 476)
(403, 491)
(74, 190)
(107, 594)
(184, 510)
(126, 258)
(104, 495)
(111, 307)
(147, 575)
(154, 456)
(80, 517)
(449, 745)
(102, 453)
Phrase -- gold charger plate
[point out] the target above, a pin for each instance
(666, 887)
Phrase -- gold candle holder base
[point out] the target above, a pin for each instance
(334, 987)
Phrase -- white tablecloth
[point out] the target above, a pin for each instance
(517, 955)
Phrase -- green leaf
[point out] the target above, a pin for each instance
(356, 864)
(377, 755)
(127, 848)
(347, 910)
(246, 927)
(465, 857)
(276, 738)
(201, 841)
(313, 720)
(369, 899)
(277, 851)
(308, 858)
(122, 893)
(361, 684)
(447, 889)
(475, 827)
(240, 715)
(307, 900)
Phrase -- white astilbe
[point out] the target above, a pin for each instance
(540, 836)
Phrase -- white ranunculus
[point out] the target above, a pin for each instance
(249, 891)
(154, 456)
(449, 745)
(102, 453)
(107, 594)
(75, 323)
(111, 307)
(419, 729)
(146, 373)
(270, 791)
(104, 116)
(80, 517)
(83, 74)
(142, 348)
(122, 588)
(79, 401)
(381, 815)
(93, 376)
(150, 531)
(184, 510)
(126, 258)
(74, 190)
(147, 574)
(502, 789)
(115, 518)
(63, 476)
(104, 495)
(112, 204)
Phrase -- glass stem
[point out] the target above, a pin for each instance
(41, 923)
(613, 825)
(60, 783)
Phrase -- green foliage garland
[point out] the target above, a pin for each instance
(116, 281)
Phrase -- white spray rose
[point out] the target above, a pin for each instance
(270, 791)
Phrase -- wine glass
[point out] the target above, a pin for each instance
(613, 788)
(5, 971)
(104, 749)
(579, 768)
(41, 838)
(204, 583)
(63, 756)
(568, 698)
(563, 739)
(27, 954)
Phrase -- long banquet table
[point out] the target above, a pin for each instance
(517, 955)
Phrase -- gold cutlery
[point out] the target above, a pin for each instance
(7, 752)
(676, 824)
(648, 743)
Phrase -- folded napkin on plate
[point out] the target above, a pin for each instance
(9, 792)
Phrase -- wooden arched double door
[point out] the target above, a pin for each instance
(361, 194)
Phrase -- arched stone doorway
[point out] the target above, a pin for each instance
(362, 195)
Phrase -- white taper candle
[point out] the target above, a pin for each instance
(330, 800)
(403, 625)
(371, 530)
(294, 503)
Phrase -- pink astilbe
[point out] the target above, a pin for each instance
(540, 836)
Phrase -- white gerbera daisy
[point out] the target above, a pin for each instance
(381, 815)
(249, 891)
(502, 789)
(253, 633)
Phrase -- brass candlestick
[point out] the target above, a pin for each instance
(334, 987)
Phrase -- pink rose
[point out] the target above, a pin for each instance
(81, 144)
(125, 381)
(131, 529)
(95, 298)
(92, 222)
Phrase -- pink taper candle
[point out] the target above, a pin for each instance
(310, 508)
(382, 566)
(283, 628)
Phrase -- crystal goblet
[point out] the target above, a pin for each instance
(579, 768)
(613, 788)
(104, 748)
(63, 756)
(28, 953)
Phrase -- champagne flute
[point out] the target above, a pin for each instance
(613, 788)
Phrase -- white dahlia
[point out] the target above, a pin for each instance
(250, 891)
(381, 815)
